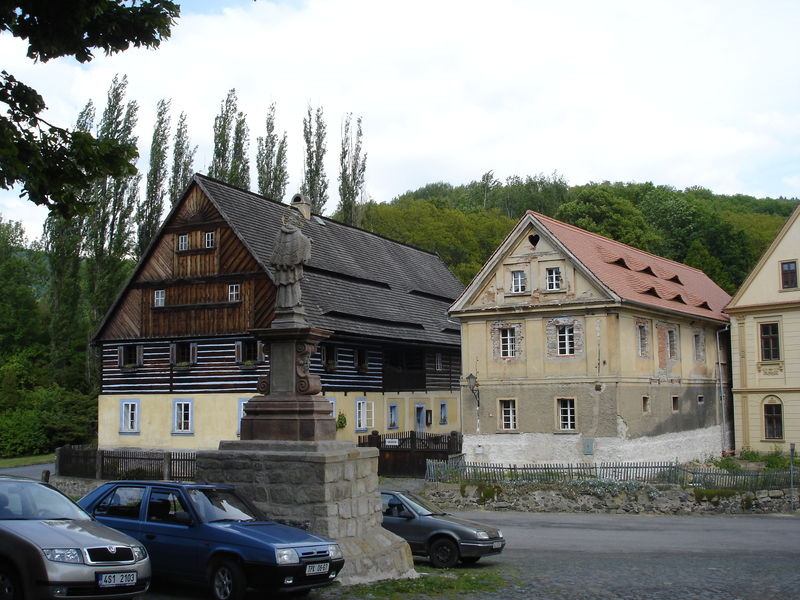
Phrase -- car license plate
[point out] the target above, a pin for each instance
(497, 545)
(116, 579)
(317, 568)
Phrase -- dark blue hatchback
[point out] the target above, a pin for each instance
(210, 534)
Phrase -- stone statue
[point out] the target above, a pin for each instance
(292, 251)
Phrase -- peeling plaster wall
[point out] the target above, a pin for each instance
(560, 448)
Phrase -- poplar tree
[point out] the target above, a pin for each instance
(148, 214)
(109, 228)
(62, 241)
(273, 176)
(182, 161)
(352, 168)
(223, 126)
(239, 170)
(315, 183)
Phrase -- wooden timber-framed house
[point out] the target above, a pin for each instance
(178, 361)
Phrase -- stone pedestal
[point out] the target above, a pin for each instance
(328, 487)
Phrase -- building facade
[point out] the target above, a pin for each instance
(585, 349)
(765, 345)
(179, 361)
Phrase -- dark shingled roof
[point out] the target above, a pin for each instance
(356, 283)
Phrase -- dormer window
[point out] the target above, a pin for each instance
(789, 274)
(209, 238)
(518, 282)
(553, 279)
(183, 242)
(159, 296)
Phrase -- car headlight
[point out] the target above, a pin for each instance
(482, 535)
(66, 555)
(139, 553)
(334, 551)
(287, 556)
(499, 533)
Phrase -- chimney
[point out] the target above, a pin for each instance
(302, 205)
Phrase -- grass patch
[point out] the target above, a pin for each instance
(439, 583)
(26, 461)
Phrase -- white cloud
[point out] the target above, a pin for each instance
(680, 93)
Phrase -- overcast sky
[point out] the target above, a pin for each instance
(680, 93)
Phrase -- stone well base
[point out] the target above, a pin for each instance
(328, 487)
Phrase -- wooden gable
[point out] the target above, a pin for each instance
(198, 278)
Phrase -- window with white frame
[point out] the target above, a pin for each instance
(442, 413)
(770, 341)
(234, 292)
(773, 419)
(438, 362)
(393, 422)
(699, 346)
(672, 344)
(641, 334)
(129, 416)
(519, 282)
(365, 414)
(789, 274)
(209, 239)
(240, 414)
(508, 342)
(566, 414)
(508, 414)
(158, 297)
(183, 242)
(553, 278)
(332, 401)
(182, 416)
(566, 340)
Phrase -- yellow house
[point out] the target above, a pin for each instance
(580, 348)
(765, 344)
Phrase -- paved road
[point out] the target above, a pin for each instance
(33, 471)
(625, 557)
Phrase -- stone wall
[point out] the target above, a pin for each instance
(602, 496)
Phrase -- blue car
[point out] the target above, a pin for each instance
(210, 534)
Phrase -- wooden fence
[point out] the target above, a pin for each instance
(457, 471)
(91, 462)
(405, 454)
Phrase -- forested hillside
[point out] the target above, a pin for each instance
(722, 235)
(54, 294)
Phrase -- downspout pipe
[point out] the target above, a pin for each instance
(721, 392)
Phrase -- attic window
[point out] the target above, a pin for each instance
(533, 239)
(675, 279)
(649, 271)
(704, 304)
(621, 262)
(678, 298)
(318, 220)
(651, 292)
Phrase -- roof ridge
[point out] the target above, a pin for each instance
(328, 219)
(541, 216)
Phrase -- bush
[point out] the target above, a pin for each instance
(22, 433)
(728, 464)
(750, 455)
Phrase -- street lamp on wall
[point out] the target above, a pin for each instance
(472, 384)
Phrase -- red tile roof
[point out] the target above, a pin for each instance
(638, 276)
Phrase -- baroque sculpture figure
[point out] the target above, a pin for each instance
(292, 251)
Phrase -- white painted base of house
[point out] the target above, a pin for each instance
(697, 444)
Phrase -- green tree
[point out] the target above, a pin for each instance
(598, 210)
(352, 170)
(315, 183)
(699, 257)
(224, 124)
(109, 228)
(52, 164)
(273, 176)
(148, 214)
(20, 322)
(182, 160)
(239, 171)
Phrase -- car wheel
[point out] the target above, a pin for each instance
(10, 588)
(444, 553)
(227, 581)
(470, 560)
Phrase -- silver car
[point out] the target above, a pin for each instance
(51, 548)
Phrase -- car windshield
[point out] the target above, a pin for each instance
(422, 507)
(22, 500)
(215, 505)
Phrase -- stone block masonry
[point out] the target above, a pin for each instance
(328, 487)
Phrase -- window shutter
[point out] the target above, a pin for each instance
(120, 355)
(139, 356)
(172, 354)
(260, 352)
(193, 353)
(238, 352)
